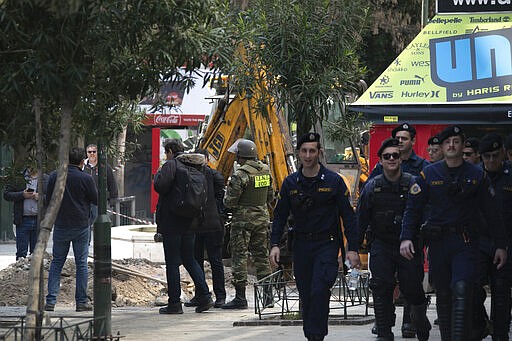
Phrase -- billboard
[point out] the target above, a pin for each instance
(456, 59)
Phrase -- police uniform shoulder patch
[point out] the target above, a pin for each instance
(415, 189)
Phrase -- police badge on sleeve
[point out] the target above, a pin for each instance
(415, 189)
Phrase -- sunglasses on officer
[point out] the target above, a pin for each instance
(388, 156)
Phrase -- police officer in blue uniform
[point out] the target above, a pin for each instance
(380, 210)
(317, 198)
(411, 163)
(500, 175)
(455, 192)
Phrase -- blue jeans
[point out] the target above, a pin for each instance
(62, 237)
(26, 235)
(178, 249)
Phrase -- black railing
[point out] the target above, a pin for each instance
(277, 294)
(55, 328)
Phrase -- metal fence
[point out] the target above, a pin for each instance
(13, 328)
(125, 206)
(277, 294)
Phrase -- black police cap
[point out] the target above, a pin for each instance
(490, 143)
(450, 131)
(404, 127)
(434, 140)
(508, 142)
(389, 142)
(472, 142)
(308, 137)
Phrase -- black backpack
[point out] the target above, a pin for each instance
(189, 193)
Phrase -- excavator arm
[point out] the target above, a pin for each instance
(235, 118)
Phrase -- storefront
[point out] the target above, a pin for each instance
(178, 116)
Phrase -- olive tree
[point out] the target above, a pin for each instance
(74, 64)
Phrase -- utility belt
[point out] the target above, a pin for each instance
(435, 232)
(314, 236)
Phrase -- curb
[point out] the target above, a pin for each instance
(350, 320)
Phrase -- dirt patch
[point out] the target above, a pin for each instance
(127, 289)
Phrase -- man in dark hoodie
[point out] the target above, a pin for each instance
(178, 232)
(211, 236)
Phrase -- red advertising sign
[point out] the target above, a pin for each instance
(173, 120)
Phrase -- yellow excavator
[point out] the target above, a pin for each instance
(236, 117)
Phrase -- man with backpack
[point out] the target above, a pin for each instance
(211, 237)
(248, 192)
(180, 211)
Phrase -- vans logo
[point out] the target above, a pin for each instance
(381, 94)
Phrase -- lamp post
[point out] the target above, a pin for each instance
(102, 254)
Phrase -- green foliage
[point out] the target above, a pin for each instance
(300, 53)
(102, 56)
(393, 25)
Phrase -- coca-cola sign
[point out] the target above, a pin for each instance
(173, 120)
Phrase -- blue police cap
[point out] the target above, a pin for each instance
(404, 127)
(434, 140)
(490, 143)
(472, 142)
(308, 137)
(450, 131)
(389, 142)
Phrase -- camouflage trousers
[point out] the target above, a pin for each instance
(249, 236)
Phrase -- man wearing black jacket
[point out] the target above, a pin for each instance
(178, 232)
(212, 239)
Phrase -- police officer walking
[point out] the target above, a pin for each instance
(411, 163)
(455, 191)
(380, 210)
(500, 280)
(248, 192)
(435, 153)
(317, 198)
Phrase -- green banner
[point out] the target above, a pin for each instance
(465, 58)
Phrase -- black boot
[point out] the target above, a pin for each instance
(461, 310)
(383, 308)
(408, 328)
(480, 319)
(420, 320)
(500, 308)
(204, 304)
(239, 302)
(171, 308)
(444, 313)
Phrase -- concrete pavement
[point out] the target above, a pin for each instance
(139, 323)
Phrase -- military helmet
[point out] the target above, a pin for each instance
(246, 149)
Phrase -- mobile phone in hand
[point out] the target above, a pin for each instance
(30, 190)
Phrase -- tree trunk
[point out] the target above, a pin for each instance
(40, 205)
(48, 221)
(119, 162)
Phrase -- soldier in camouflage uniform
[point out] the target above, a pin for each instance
(248, 192)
